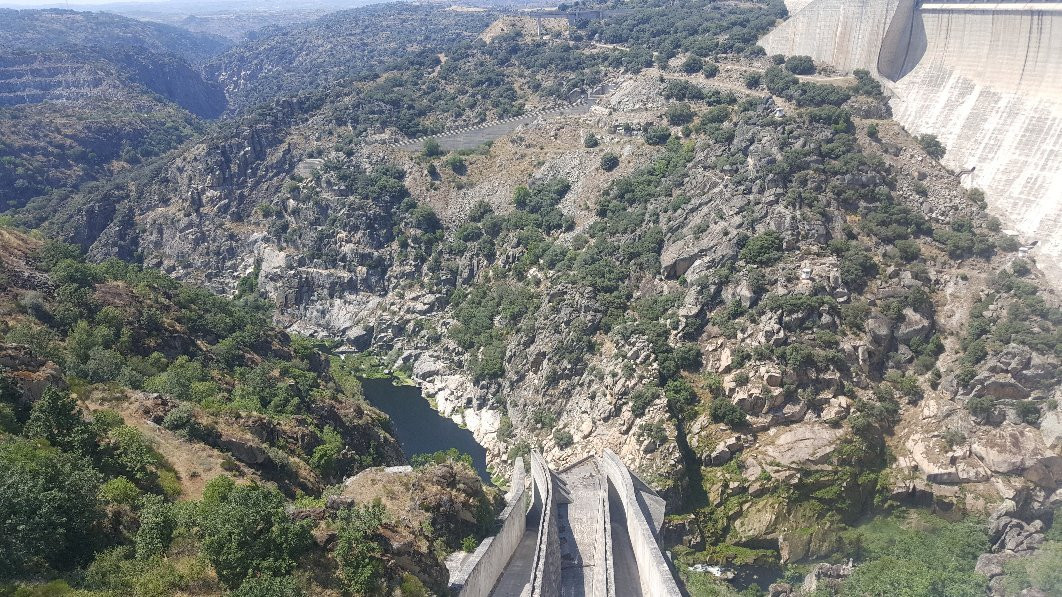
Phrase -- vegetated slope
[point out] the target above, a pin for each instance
(757, 301)
(52, 148)
(130, 402)
(86, 95)
(347, 44)
(45, 30)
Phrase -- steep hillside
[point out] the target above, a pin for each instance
(46, 30)
(86, 95)
(343, 45)
(135, 401)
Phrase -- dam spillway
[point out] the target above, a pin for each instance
(591, 528)
(984, 77)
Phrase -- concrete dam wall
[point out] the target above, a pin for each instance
(985, 77)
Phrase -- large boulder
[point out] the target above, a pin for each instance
(914, 326)
(1018, 450)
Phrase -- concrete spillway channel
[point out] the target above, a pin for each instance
(590, 529)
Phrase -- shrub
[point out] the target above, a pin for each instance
(56, 418)
(432, 148)
(779, 81)
(753, 80)
(456, 164)
(591, 140)
(657, 135)
(358, 548)
(680, 114)
(872, 130)
(642, 398)
(800, 65)
(980, 406)
(326, 457)
(763, 249)
(922, 555)
(1041, 571)
(710, 69)
(609, 162)
(692, 65)
(120, 490)
(246, 531)
(157, 524)
(932, 146)
(725, 411)
(49, 508)
(563, 438)
(866, 84)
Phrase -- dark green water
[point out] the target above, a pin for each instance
(418, 427)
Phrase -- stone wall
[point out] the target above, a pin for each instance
(545, 572)
(653, 568)
(481, 570)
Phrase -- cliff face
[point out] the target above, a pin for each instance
(985, 80)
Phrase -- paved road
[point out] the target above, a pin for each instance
(474, 138)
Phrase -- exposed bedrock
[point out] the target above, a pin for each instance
(986, 78)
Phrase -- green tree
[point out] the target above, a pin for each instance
(763, 249)
(932, 146)
(609, 162)
(157, 524)
(49, 508)
(56, 418)
(246, 531)
(800, 65)
(725, 411)
(326, 457)
(358, 548)
(432, 149)
(692, 65)
(657, 135)
(680, 114)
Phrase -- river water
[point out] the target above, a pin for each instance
(418, 427)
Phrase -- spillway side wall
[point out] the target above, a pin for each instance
(653, 568)
(481, 570)
(545, 572)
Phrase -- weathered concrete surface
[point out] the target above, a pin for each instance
(844, 33)
(984, 77)
(654, 571)
(546, 570)
(989, 85)
(482, 569)
(583, 524)
(591, 529)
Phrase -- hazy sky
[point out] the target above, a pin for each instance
(71, 3)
